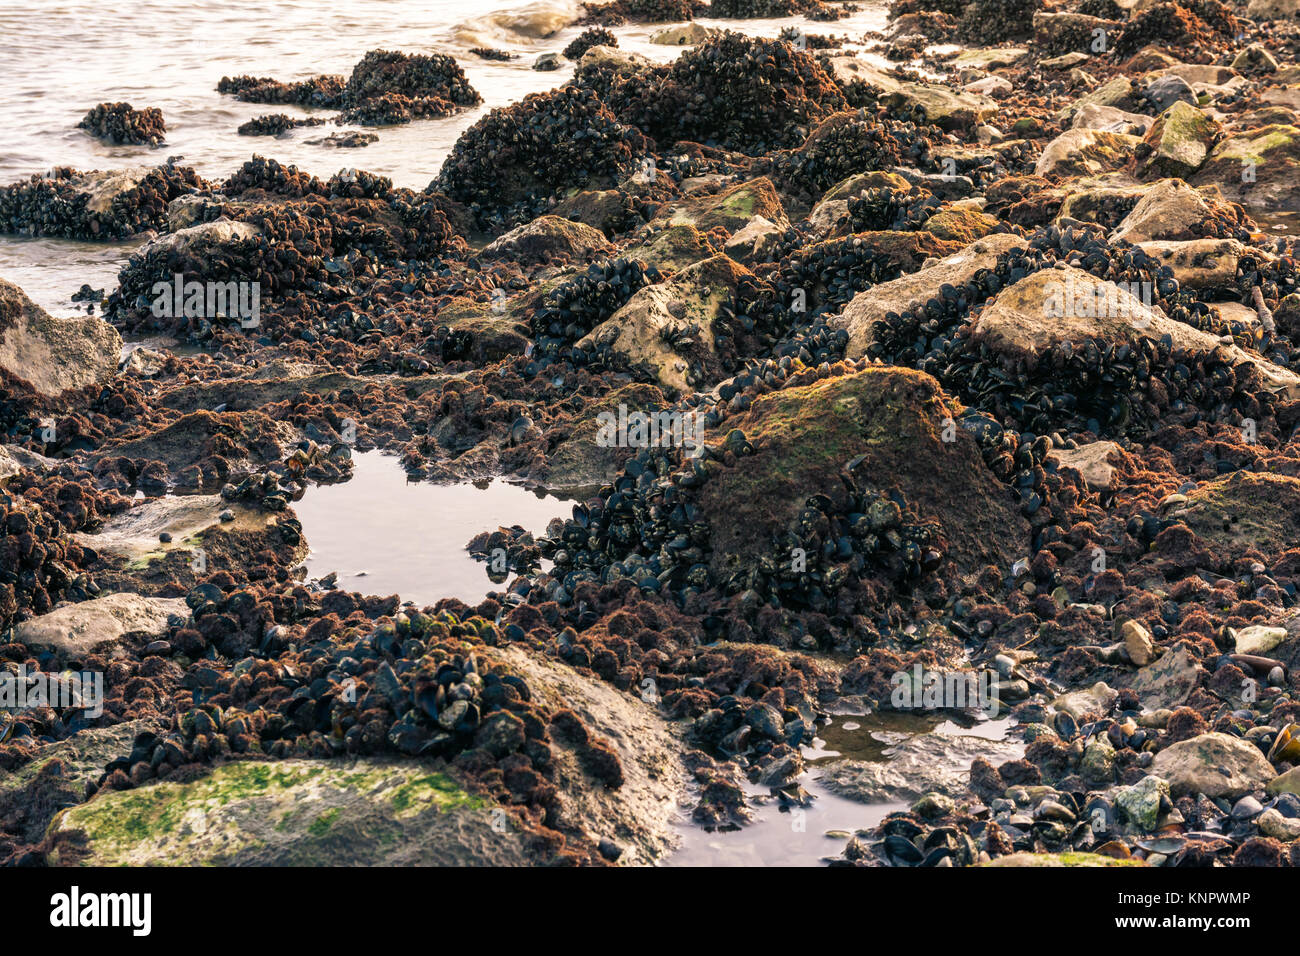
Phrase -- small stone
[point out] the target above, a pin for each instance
(1140, 803)
(1137, 641)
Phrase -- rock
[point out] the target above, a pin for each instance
(130, 541)
(1085, 152)
(917, 765)
(579, 463)
(1096, 699)
(1072, 32)
(1137, 641)
(1092, 461)
(1117, 92)
(1061, 859)
(1200, 263)
(494, 333)
(1259, 168)
(1258, 639)
(297, 813)
(829, 218)
(1097, 766)
(548, 239)
(203, 239)
(1255, 60)
(603, 209)
(1217, 765)
(58, 773)
(1244, 511)
(940, 106)
(1271, 823)
(689, 303)
(995, 86)
(1105, 199)
(1272, 9)
(1140, 803)
(75, 630)
(755, 242)
(849, 71)
(1179, 143)
(53, 355)
(623, 62)
(731, 209)
(990, 58)
(14, 458)
(1164, 91)
(962, 224)
(547, 62)
(1110, 119)
(1199, 73)
(804, 436)
(1168, 210)
(1066, 61)
(685, 34)
(675, 247)
(1288, 782)
(868, 308)
(1168, 682)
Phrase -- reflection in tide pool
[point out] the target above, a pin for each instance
(385, 534)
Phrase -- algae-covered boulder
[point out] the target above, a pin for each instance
(960, 224)
(1061, 859)
(1245, 510)
(940, 106)
(292, 813)
(1085, 152)
(481, 331)
(1178, 143)
(581, 463)
(757, 241)
(861, 316)
(53, 355)
(548, 239)
(675, 247)
(1217, 765)
(804, 436)
(1258, 168)
(730, 209)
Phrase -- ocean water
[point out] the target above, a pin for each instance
(66, 56)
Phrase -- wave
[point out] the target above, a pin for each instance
(537, 21)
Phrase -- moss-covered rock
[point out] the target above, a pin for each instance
(730, 209)
(1245, 510)
(895, 417)
(291, 813)
(1259, 169)
(1085, 152)
(962, 224)
(1178, 143)
(1061, 859)
(675, 247)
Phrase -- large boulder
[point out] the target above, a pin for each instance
(75, 630)
(1217, 765)
(1178, 143)
(1245, 510)
(861, 316)
(804, 436)
(1259, 168)
(1110, 119)
(53, 355)
(1201, 263)
(1085, 152)
(1170, 209)
(548, 239)
(940, 106)
(732, 209)
(1065, 304)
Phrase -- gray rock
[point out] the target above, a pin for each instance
(1214, 764)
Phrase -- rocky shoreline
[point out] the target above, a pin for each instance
(978, 370)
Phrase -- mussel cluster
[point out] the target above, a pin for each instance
(619, 12)
(1197, 26)
(743, 93)
(761, 9)
(273, 124)
(831, 273)
(509, 165)
(845, 145)
(119, 124)
(321, 91)
(488, 53)
(410, 75)
(56, 204)
(584, 41)
(40, 565)
(394, 109)
(888, 209)
(575, 307)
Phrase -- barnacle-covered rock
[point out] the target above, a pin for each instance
(118, 124)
